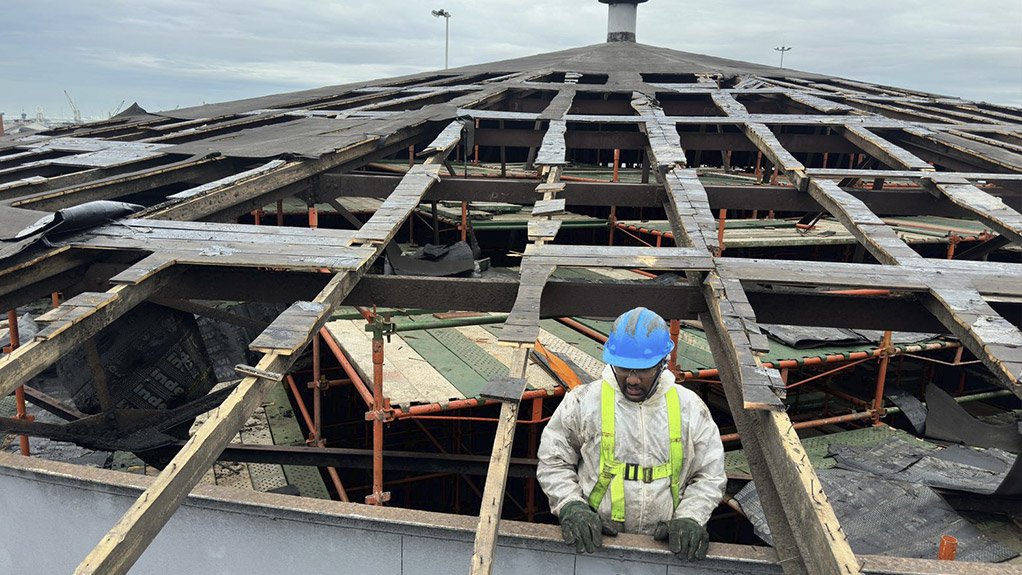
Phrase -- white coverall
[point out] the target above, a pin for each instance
(569, 454)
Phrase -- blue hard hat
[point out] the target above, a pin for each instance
(639, 339)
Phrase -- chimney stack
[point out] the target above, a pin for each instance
(621, 19)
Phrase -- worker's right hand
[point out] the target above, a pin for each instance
(581, 527)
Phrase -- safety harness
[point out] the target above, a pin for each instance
(613, 473)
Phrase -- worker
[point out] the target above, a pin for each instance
(634, 452)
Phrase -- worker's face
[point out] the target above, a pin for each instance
(636, 383)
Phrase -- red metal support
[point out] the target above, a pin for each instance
(672, 363)
(464, 221)
(313, 217)
(280, 212)
(19, 393)
(380, 412)
(948, 548)
(335, 478)
(885, 357)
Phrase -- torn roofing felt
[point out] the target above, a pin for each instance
(882, 516)
(947, 420)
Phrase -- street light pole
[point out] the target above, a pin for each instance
(782, 50)
(441, 13)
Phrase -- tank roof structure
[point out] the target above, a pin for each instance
(173, 206)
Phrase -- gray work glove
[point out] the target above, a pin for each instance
(583, 528)
(686, 538)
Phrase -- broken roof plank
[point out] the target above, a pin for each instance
(662, 132)
(446, 140)
(548, 207)
(553, 150)
(399, 204)
(987, 208)
(291, 330)
(887, 152)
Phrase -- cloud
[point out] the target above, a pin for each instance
(168, 53)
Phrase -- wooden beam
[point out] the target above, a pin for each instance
(809, 537)
(496, 475)
(887, 152)
(989, 209)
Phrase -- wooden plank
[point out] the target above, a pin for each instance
(817, 103)
(231, 180)
(496, 476)
(988, 208)
(994, 340)
(871, 231)
(291, 331)
(887, 152)
(446, 140)
(906, 278)
(399, 204)
(522, 324)
(553, 150)
(765, 140)
(620, 257)
(759, 387)
(548, 207)
(145, 268)
(688, 209)
(543, 230)
(662, 132)
(728, 104)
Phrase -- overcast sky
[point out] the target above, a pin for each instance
(176, 53)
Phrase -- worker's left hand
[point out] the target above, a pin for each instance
(686, 538)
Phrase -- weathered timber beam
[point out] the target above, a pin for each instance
(959, 306)
(119, 186)
(881, 241)
(984, 156)
(890, 154)
(522, 191)
(989, 209)
(992, 339)
(496, 474)
(811, 539)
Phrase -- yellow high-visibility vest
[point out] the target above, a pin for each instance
(613, 473)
